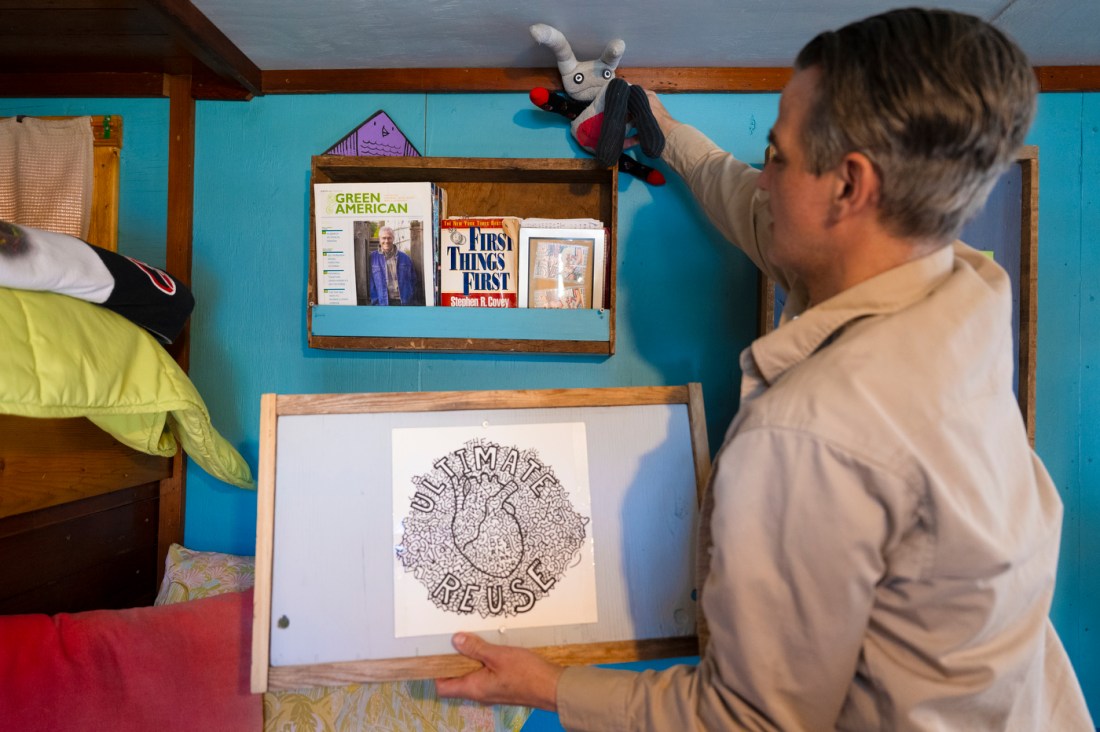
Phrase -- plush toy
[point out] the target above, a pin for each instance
(603, 108)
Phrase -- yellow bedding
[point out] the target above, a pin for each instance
(63, 357)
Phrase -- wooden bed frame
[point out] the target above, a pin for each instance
(86, 522)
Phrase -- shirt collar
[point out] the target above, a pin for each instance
(888, 292)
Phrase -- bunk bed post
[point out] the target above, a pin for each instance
(181, 199)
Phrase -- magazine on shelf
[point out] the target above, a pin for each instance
(562, 267)
(357, 224)
(478, 262)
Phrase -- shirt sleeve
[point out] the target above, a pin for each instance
(800, 531)
(726, 189)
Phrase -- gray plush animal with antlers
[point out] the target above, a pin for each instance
(602, 107)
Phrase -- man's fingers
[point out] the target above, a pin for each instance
(459, 686)
(471, 646)
(507, 676)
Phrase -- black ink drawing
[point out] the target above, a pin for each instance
(490, 530)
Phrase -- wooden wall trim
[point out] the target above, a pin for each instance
(514, 80)
(1029, 285)
(323, 81)
(661, 80)
(341, 81)
(1068, 78)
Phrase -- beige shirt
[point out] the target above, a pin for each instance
(884, 539)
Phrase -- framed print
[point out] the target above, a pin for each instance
(562, 268)
(386, 522)
(1006, 230)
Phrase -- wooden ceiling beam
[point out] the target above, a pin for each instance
(207, 43)
(205, 85)
(83, 84)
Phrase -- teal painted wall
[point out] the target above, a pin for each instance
(250, 266)
(677, 321)
(1068, 376)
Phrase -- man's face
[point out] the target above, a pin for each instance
(798, 200)
(385, 241)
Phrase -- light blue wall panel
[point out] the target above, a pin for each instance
(143, 174)
(1068, 267)
(1083, 547)
(251, 235)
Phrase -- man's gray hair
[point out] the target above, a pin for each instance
(939, 102)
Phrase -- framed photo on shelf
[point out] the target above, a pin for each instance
(562, 268)
(1007, 231)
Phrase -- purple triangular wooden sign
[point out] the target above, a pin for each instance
(378, 135)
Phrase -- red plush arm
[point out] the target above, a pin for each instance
(556, 102)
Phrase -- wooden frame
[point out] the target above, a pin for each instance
(106, 151)
(275, 407)
(1025, 276)
(524, 187)
(589, 278)
(78, 518)
(103, 226)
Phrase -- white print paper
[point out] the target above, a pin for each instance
(492, 528)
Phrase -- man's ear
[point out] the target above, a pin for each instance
(857, 185)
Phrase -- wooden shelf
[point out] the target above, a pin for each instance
(526, 187)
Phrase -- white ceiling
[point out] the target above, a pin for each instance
(357, 34)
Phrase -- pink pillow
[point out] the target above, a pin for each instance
(173, 667)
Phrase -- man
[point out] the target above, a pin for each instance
(883, 542)
(393, 279)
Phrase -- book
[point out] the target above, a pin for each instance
(439, 212)
(562, 267)
(357, 225)
(376, 135)
(537, 223)
(478, 262)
